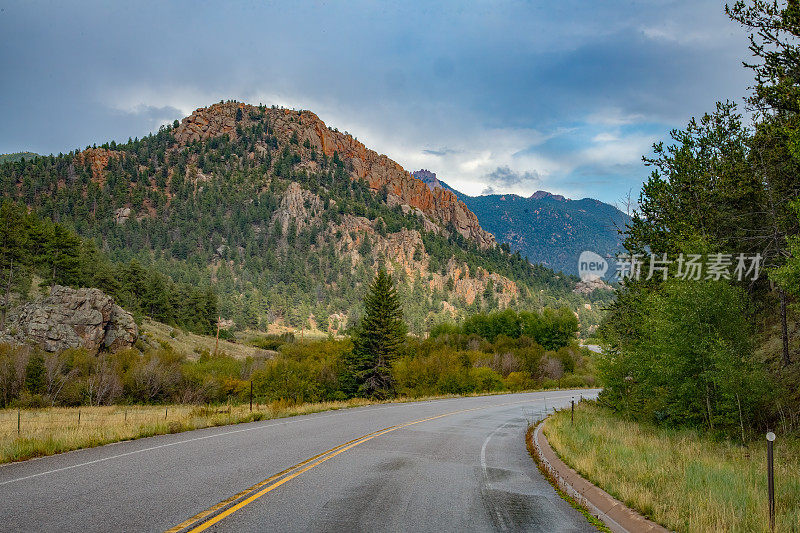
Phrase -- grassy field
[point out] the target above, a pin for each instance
(679, 478)
(191, 344)
(59, 429)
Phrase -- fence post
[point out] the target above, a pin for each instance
(19, 420)
(79, 416)
(166, 409)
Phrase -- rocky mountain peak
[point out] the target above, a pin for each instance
(428, 178)
(309, 132)
(538, 195)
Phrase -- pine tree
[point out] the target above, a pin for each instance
(64, 256)
(13, 243)
(377, 339)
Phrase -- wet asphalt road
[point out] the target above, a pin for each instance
(445, 465)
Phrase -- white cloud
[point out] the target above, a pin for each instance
(605, 137)
(613, 116)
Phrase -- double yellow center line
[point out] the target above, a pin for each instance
(216, 513)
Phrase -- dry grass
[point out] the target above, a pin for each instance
(679, 478)
(191, 344)
(56, 430)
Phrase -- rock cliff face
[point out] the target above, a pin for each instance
(299, 204)
(405, 251)
(588, 287)
(71, 318)
(439, 205)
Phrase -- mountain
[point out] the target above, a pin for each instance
(16, 156)
(285, 218)
(546, 228)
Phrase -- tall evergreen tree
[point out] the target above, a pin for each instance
(377, 339)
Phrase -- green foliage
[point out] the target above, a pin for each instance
(691, 362)
(681, 351)
(16, 156)
(702, 188)
(788, 275)
(552, 328)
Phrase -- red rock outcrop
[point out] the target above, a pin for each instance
(439, 205)
(97, 160)
(400, 253)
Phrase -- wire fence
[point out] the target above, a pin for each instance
(49, 421)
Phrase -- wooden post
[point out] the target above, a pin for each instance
(19, 420)
(572, 415)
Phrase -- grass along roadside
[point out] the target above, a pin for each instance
(679, 478)
(59, 429)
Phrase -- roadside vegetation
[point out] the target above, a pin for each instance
(698, 349)
(698, 365)
(56, 402)
(680, 478)
(501, 351)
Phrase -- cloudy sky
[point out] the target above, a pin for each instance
(564, 96)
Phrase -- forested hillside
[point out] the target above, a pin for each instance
(16, 156)
(285, 220)
(551, 230)
(36, 251)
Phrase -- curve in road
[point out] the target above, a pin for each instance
(446, 465)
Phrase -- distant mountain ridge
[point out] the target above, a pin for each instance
(16, 156)
(546, 228)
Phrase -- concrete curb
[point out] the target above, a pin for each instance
(618, 517)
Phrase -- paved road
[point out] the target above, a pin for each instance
(445, 465)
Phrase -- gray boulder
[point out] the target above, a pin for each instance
(71, 318)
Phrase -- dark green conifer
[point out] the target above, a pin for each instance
(378, 338)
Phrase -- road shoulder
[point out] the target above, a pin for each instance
(614, 514)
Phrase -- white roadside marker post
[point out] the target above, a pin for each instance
(771, 480)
